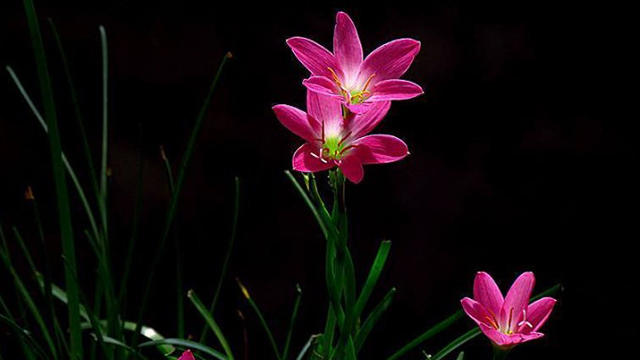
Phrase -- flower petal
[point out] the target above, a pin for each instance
(327, 110)
(187, 355)
(539, 312)
(305, 162)
(517, 299)
(487, 292)
(496, 336)
(351, 167)
(363, 123)
(347, 47)
(395, 89)
(476, 311)
(298, 122)
(390, 60)
(313, 56)
(380, 149)
(322, 85)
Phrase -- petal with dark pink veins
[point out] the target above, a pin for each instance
(486, 292)
(322, 85)
(517, 299)
(347, 47)
(395, 89)
(363, 123)
(380, 149)
(390, 60)
(539, 312)
(298, 122)
(313, 56)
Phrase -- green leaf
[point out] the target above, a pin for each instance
(211, 322)
(227, 257)
(64, 213)
(373, 318)
(294, 314)
(460, 356)
(263, 322)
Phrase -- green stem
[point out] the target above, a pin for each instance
(500, 353)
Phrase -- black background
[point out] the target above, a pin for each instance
(522, 158)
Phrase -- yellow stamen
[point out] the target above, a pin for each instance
(366, 85)
(335, 77)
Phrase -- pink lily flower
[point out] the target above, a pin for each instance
(187, 355)
(332, 140)
(345, 75)
(507, 321)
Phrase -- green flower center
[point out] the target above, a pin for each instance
(334, 147)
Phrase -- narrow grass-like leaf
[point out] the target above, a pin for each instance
(460, 356)
(31, 305)
(373, 318)
(176, 242)
(186, 160)
(456, 343)
(135, 229)
(263, 322)
(321, 219)
(211, 322)
(292, 322)
(25, 338)
(64, 213)
(227, 257)
(186, 344)
(306, 347)
(76, 107)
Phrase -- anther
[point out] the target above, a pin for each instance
(366, 85)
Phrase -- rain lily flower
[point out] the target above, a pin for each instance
(334, 140)
(507, 321)
(345, 75)
(187, 355)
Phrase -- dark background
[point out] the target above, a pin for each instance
(522, 158)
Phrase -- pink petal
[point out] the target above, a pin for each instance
(313, 56)
(390, 60)
(305, 162)
(496, 336)
(347, 47)
(362, 124)
(395, 89)
(351, 167)
(517, 299)
(539, 312)
(486, 292)
(359, 108)
(476, 311)
(187, 355)
(298, 122)
(380, 149)
(327, 110)
(322, 85)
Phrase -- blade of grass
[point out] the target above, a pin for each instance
(307, 200)
(211, 322)
(460, 356)
(263, 322)
(306, 347)
(294, 315)
(176, 242)
(186, 159)
(24, 336)
(225, 264)
(456, 343)
(26, 296)
(134, 230)
(76, 106)
(372, 319)
(186, 344)
(64, 213)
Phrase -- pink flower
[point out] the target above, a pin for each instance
(334, 140)
(512, 320)
(343, 73)
(187, 355)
